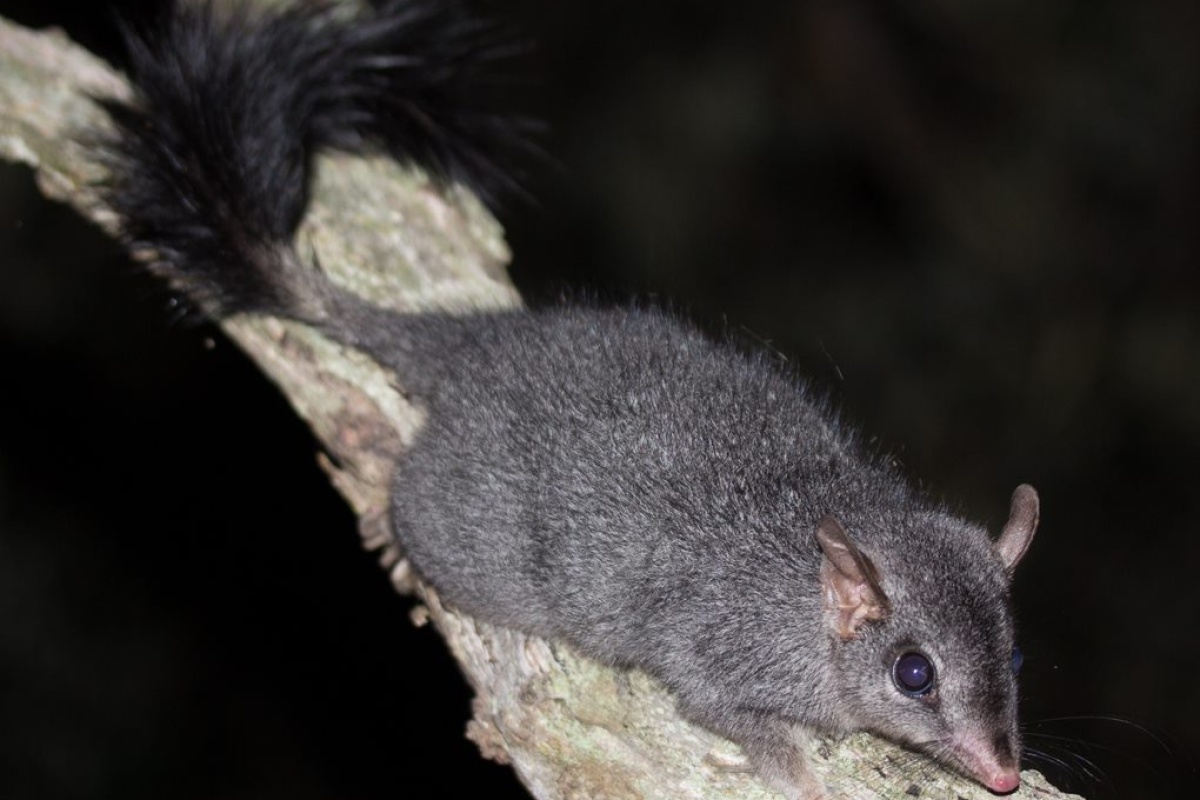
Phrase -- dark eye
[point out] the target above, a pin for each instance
(1018, 658)
(913, 674)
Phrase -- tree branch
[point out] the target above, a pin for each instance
(571, 728)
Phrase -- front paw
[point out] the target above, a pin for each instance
(785, 768)
(794, 786)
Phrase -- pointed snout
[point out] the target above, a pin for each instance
(994, 770)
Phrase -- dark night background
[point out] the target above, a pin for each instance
(975, 222)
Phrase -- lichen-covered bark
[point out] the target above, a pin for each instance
(571, 728)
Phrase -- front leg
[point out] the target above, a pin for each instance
(778, 751)
(779, 754)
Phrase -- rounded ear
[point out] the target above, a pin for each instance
(1022, 523)
(849, 581)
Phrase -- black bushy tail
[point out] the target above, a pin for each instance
(211, 160)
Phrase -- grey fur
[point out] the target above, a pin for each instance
(615, 479)
(611, 478)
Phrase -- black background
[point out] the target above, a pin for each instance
(976, 223)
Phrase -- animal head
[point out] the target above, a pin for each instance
(924, 647)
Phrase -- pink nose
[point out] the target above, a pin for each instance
(1004, 782)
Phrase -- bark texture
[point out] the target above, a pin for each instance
(569, 727)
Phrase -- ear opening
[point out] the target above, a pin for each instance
(1017, 534)
(849, 581)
